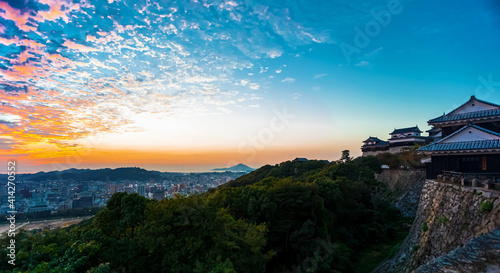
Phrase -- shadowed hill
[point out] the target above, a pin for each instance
(292, 217)
(131, 173)
(282, 170)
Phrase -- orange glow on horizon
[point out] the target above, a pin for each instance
(167, 160)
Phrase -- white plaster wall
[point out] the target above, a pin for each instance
(478, 106)
(471, 134)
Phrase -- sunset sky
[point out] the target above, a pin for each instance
(197, 84)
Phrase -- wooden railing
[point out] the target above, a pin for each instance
(486, 180)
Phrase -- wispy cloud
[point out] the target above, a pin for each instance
(317, 76)
(373, 53)
(296, 96)
(67, 65)
(363, 64)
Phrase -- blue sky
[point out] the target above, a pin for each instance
(172, 80)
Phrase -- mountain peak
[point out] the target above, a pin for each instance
(236, 168)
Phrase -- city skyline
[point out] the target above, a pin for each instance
(195, 85)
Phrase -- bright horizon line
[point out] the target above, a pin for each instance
(199, 170)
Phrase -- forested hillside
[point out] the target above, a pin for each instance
(292, 217)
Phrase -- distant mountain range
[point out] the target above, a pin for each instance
(107, 174)
(236, 168)
(130, 173)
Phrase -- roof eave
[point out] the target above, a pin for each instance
(491, 151)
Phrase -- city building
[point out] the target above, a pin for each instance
(114, 188)
(158, 195)
(141, 189)
(83, 202)
(65, 205)
(470, 142)
(39, 208)
(85, 186)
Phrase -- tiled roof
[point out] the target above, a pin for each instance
(464, 145)
(406, 130)
(441, 145)
(300, 159)
(374, 139)
(464, 116)
(434, 129)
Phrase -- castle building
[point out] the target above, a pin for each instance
(400, 138)
(434, 134)
(470, 140)
(405, 137)
(374, 145)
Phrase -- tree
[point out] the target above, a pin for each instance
(345, 156)
(277, 220)
(122, 215)
(394, 161)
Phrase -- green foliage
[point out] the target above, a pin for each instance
(394, 161)
(425, 227)
(371, 257)
(415, 247)
(282, 170)
(442, 219)
(370, 161)
(346, 156)
(407, 158)
(486, 206)
(296, 216)
(122, 215)
(411, 157)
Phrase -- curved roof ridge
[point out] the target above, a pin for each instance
(469, 115)
(473, 98)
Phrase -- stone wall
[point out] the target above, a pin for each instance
(391, 150)
(481, 255)
(405, 186)
(374, 153)
(448, 216)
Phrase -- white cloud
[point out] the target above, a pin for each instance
(288, 79)
(317, 76)
(372, 53)
(274, 54)
(254, 86)
(363, 64)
